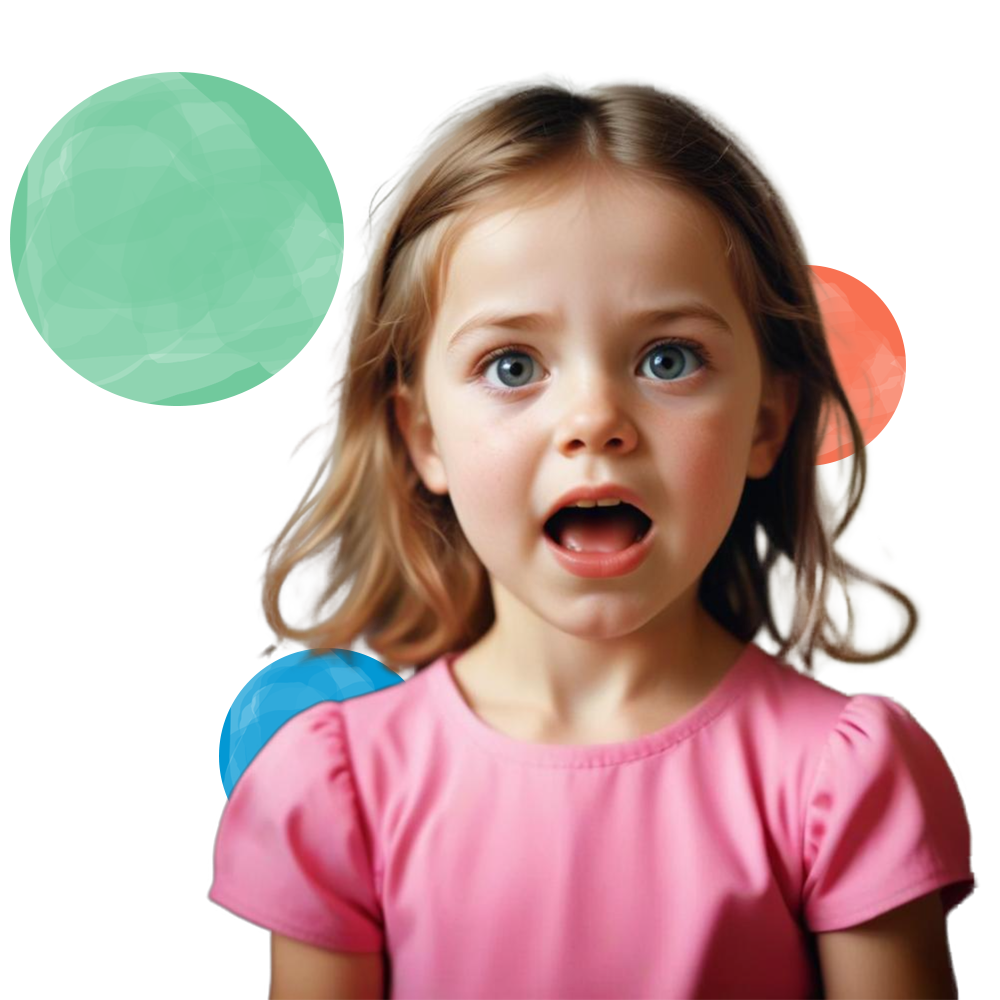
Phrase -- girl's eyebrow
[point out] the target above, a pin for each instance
(540, 322)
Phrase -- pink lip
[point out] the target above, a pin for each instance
(603, 564)
(602, 492)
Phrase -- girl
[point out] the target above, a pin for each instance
(583, 404)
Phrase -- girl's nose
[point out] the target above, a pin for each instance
(595, 420)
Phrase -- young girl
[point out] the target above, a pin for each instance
(583, 404)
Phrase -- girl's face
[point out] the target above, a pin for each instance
(582, 397)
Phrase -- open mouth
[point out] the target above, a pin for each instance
(598, 529)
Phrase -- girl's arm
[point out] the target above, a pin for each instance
(900, 954)
(302, 972)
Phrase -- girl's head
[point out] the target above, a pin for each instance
(574, 233)
(587, 397)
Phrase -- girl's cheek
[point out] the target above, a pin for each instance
(709, 462)
(483, 473)
(493, 478)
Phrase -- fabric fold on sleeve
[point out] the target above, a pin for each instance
(885, 822)
(292, 854)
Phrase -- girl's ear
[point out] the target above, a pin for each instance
(415, 426)
(779, 401)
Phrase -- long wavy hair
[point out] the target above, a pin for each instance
(409, 582)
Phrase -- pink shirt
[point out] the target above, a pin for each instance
(694, 861)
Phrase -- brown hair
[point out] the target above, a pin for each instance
(414, 586)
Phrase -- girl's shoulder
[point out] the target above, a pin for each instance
(386, 730)
(353, 742)
(398, 706)
(803, 724)
(309, 740)
(789, 706)
(808, 711)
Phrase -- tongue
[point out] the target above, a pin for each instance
(585, 532)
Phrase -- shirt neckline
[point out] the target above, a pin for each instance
(726, 690)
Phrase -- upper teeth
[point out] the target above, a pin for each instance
(609, 502)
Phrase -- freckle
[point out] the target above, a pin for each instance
(823, 800)
(817, 830)
(885, 551)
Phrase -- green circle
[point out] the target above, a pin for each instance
(176, 239)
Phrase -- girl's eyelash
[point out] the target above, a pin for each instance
(701, 352)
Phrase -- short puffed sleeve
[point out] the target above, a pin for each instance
(292, 853)
(885, 822)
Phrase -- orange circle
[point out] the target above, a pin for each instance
(867, 351)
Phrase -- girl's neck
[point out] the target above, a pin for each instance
(586, 689)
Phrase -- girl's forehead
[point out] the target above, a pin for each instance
(618, 236)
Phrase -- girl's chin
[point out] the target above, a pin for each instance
(595, 615)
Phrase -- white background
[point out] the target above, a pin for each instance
(134, 535)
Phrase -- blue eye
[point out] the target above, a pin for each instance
(513, 364)
(668, 359)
